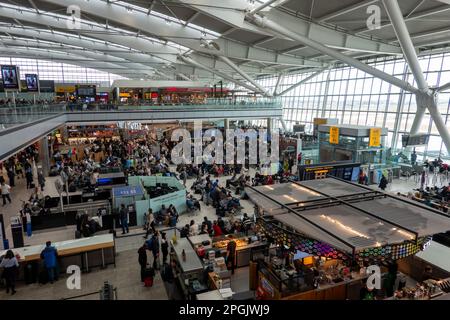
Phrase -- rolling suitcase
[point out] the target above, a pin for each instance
(149, 273)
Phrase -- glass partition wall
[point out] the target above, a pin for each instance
(355, 97)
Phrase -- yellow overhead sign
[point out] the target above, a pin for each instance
(375, 137)
(334, 135)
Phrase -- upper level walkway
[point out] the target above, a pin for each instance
(21, 126)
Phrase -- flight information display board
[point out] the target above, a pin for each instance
(415, 140)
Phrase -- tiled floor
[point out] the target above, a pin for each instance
(125, 277)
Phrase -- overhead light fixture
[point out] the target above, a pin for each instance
(168, 21)
(129, 9)
(296, 186)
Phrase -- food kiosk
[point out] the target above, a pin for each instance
(346, 228)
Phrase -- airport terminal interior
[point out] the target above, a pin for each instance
(225, 150)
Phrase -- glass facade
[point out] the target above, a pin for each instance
(355, 97)
(61, 72)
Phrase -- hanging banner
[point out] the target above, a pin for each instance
(334, 135)
(375, 137)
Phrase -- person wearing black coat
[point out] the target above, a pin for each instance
(142, 259)
(383, 183)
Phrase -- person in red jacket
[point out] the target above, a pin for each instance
(217, 230)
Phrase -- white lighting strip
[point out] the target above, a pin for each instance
(343, 226)
(404, 233)
(306, 190)
(290, 198)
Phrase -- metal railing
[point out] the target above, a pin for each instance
(10, 116)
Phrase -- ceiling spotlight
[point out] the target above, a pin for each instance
(129, 9)
(167, 21)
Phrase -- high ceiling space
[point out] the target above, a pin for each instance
(145, 38)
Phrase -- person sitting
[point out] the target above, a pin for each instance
(193, 228)
(184, 232)
(217, 230)
(204, 229)
(162, 216)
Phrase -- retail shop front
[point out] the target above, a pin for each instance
(328, 236)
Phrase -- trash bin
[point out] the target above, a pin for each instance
(6, 244)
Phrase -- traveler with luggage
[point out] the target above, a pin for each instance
(142, 259)
(10, 267)
(49, 255)
(153, 246)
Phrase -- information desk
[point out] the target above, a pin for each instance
(86, 253)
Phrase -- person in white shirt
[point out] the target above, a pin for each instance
(193, 228)
(5, 193)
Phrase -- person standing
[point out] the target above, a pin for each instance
(49, 255)
(164, 247)
(142, 259)
(10, 266)
(29, 175)
(231, 255)
(150, 223)
(28, 217)
(11, 175)
(422, 180)
(124, 219)
(153, 246)
(6, 189)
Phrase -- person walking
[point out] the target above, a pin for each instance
(142, 259)
(6, 189)
(383, 183)
(49, 255)
(10, 266)
(164, 247)
(41, 180)
(124, 219)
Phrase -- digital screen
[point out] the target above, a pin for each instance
(32, 82)
(104, 181)
(86, 91)
(10, 77)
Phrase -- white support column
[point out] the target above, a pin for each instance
(443, 87)
(315, 74)
(269, 124)
(44, 157)
(274, 26)
(280, 76)
(245, 75)
(262, 6)
(430, 102)
(283, 124)
(395, 15)
(425, 97)
(181, 75)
